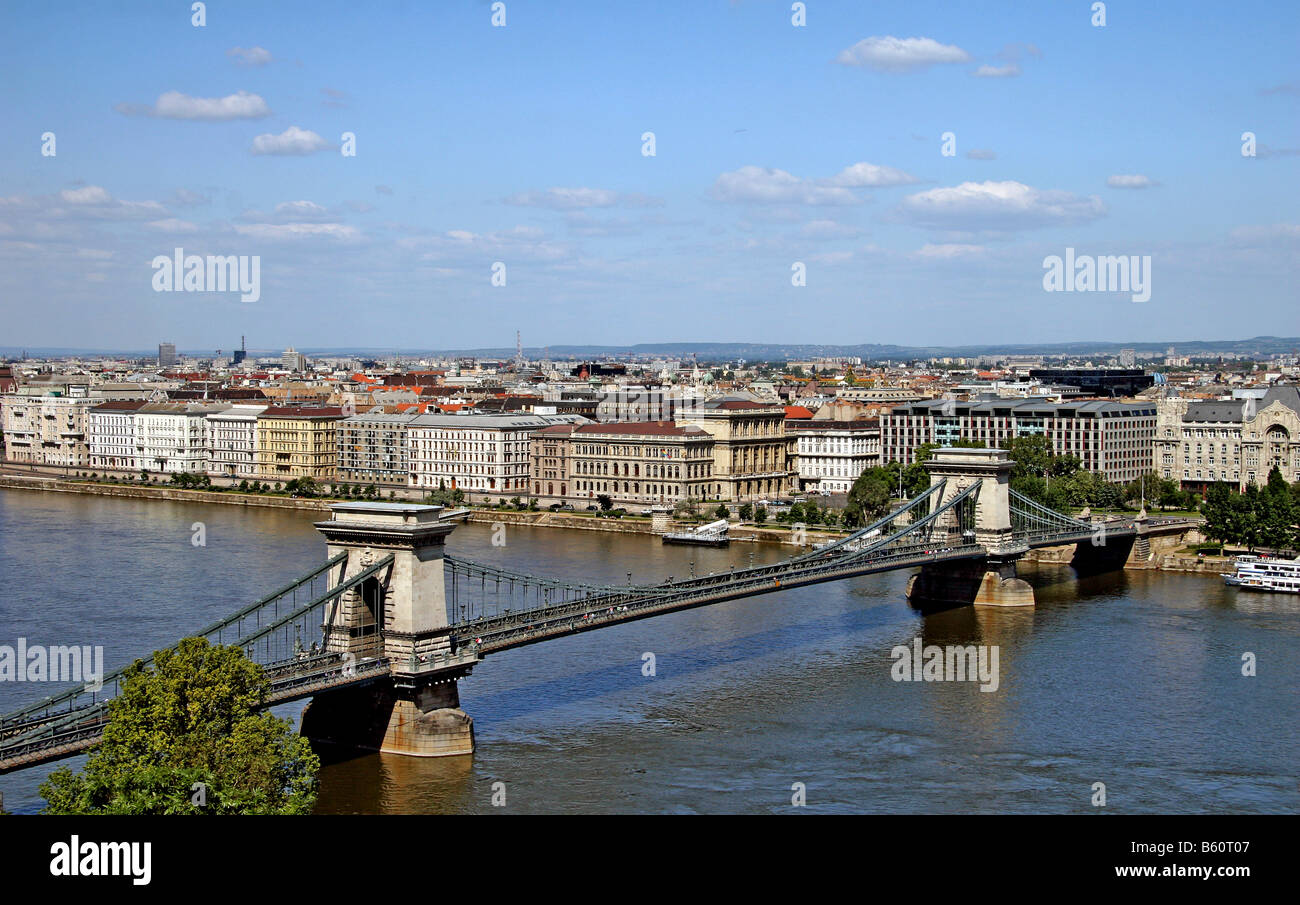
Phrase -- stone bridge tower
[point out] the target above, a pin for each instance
(401, 613)
(990, 581)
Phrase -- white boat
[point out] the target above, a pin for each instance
(714, 534)
(1262, 573)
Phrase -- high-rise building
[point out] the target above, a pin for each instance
(166, 355)
(293, 361)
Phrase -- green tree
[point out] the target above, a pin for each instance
(605, 503)
(1276, 516)
(1030, 455)
(722, 511)
(746, 512)
(192, 718)
(760, 515)
(1217, 510)
(870, 495)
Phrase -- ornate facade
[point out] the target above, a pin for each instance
(1237, 442)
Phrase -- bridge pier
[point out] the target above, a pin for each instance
(990, 582)
(403, 617)
(419, 722)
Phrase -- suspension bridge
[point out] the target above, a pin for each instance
(380, 633)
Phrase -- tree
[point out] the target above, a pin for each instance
(870, 495)
(760, 515)
(1276, 515)
(722, 511)
(604, 502)
(1030, 455)
(1217, 510)
(191, 718)
(746, 512)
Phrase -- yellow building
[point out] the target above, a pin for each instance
(751, 452)
(297, 442)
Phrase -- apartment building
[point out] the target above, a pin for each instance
(1238, 442)
(232, 437)
(297, 442)
(633, 463)
(375, 449)
(751, 453)
(172, 437)
(111, 435)
(47, 429)
(1113, 439)
(485, 455)
(829, 455)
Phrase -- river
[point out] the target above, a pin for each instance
(1130, 679)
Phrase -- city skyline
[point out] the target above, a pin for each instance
(775, 146)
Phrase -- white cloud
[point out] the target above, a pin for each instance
(174, 105)
(1009, 71)
(1131, 181)
(522, 242)
(947, 252)
(981, 154)
(890, 54)
(829, 229)
(91, 194)
(764, 185)
(250, 56)
(295, 231)
(568, 199)
(172, 225)
(996, 206)
(93, 202)
(301, 210)
(292, 141)
(870, 174)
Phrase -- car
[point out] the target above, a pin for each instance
(592, 508)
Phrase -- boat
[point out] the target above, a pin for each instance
(1263, 573)
(714, 534)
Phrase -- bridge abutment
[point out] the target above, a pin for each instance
(403, 616)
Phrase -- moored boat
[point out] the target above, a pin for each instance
(1263, 573)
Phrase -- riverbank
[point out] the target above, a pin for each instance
(175, 494)
(1165, 556)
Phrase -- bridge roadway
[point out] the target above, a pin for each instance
(490, 635)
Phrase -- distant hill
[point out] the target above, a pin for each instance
(712, 351)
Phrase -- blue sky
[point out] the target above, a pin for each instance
(521, 144)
